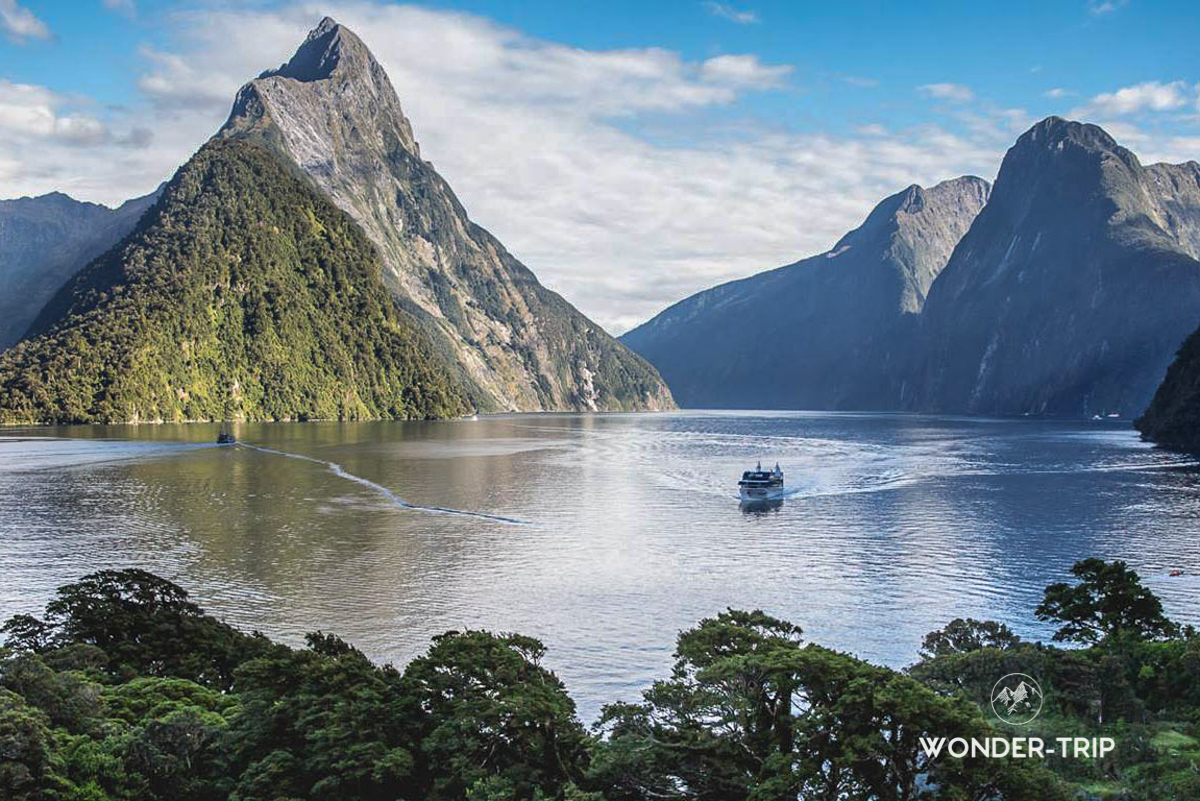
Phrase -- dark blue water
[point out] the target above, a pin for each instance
(602, 535)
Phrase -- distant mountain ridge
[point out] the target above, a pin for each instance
(1066, 293)
(1073, 288)
(44, 241)
(827, 332)
(332, 112)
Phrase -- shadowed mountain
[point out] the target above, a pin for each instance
(1173, 418)
(827, 332)
(1073, 288)
(44, 241)
(331, 111)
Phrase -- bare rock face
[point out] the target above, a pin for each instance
(332, 112)
(46, 240)
(1072, 290)
(828, 332)
(1176, 196)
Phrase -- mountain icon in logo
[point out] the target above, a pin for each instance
(1016, 699)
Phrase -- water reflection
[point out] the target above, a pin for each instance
(893, 525)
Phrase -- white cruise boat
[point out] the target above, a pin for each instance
(761, 485)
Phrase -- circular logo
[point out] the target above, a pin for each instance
(1016, 699)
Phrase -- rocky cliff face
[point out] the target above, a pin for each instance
(1173, 417)
(44, 241)
(1073, 288)
(1175, 196)
(827, 332)
(331, 111)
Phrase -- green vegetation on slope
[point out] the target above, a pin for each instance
(243, 294)
(127, 690)
(1173, 417)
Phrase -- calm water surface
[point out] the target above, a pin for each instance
(602, 535)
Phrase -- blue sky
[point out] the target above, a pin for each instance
(629, 152)
(1010, 53)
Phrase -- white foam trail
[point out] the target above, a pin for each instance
(341, 472)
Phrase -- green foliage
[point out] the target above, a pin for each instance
(496, 724)
(964, 635)
(751, 713)
(129, 691)
(1173, 417)
(27, 764)
(243, 294)
(324, 723)
(26, 633)
(146, 625)
(1137, 681)
(1108, 601)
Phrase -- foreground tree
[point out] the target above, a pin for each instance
(752, 714)
(494, 723)
(1109, 599)
(321, 723)
(147, 626)
(128, 692)
(963, 635)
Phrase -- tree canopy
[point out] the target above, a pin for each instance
(126, 689)
(243, 294)
(1108, 600)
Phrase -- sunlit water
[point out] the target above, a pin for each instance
(601, 535)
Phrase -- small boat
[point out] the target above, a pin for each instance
(226, 437)
(1175, 573)
(759, 484)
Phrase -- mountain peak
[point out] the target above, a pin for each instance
(319, 120)
(1055, 131)
(1059, 164)
(326, 25)
(332, 112)
(908, 207)
(328, 47)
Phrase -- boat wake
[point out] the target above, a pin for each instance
(395, 499)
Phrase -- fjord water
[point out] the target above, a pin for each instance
(601, 535)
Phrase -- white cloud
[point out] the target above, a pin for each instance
(126, 7)
(176, 82)
(540, 142)
(726, 11)
(20, 24)
(1057, 93)
(1099, 8)
(1176, 149)
(26, 110)
(33, 113)
(950, 92)
(857, 80)
(1152, 146)
(1148, 96)
(743, 71)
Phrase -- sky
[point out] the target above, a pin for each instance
(629, 153)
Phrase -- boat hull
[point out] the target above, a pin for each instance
(760, 493)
